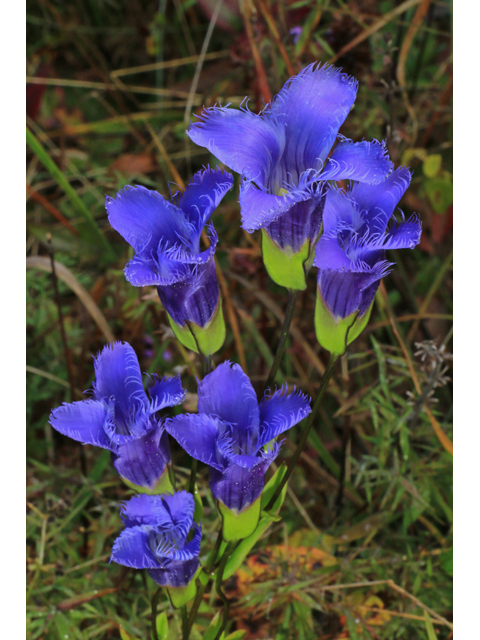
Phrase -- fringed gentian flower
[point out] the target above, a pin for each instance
(122, 418)
(282, 155)
(161, 536)
(350, 255)
(233, 435)
(166, 239)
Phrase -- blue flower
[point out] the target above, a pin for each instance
(160, 536)
(166, 239)
(358, 226)
(282, 155)
(121, 417)
(233, 434)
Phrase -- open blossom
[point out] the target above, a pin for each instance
(166, 238)
(121, 417)
(160, 536)
(358, 227)
(232, 433)
(282, 156)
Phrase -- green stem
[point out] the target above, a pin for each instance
(155, 599)
(183, 612)
(292, 299)
(321, 390)
(219, 590)
(201, 587)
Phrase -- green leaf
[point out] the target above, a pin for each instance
(446, 562)
(237, 635)
(431, 635)
(181, 595)
(64, 184)
(162, 626)
(240, 553)
(271, 487)
(214, 627)
(123, 634)
(432, 165)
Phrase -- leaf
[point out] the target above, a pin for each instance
(432, 164)
(237, 635)
(162, 626)
(446, 562)
(240, 553)
(431, 635)
(214, 627)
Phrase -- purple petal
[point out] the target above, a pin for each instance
(132, 549)
(380, 200)
(195, 299)
(228, 394)
(362, 161)
(404, 236)
(330, 255)
(144, 271)
(197, 434)
(143, 217)
(84, 421)
(118, 374)
(166, 392)
(300, 223)
(176, 574)
(280, 412)
(172, 553)
(203, 195)
(145, 509)
(346, 292)
(312, 107)
(239, 486)
(143, 460)
(249, 144)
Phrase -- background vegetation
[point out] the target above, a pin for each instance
(365, 546)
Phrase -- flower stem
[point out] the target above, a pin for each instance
(201, 587)
(218, 587)
(155, 599)
(306, 430)
(292, 299)
(183, 613)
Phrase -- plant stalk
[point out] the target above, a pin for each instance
(292, 299)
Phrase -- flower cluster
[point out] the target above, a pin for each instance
(289, 175)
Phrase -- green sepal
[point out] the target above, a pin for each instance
(286, 268)
(179, 596)
(271, 487)
(198, 513)
(163, 484)
(205, 340)
(333, 334)
(236, 526)
(235, 561)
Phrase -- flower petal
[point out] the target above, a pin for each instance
(145, 509)
(203, 195)
(143, 217)
(362, 161)
(249, 144)
(380, 200)
(84, 421)
(118, 374)
(228, 394)
(166, 392)
(144, 271)
(197, 434)
(188, 552)
(176, 574)
(195, 299)
(312, 107)
(143, 460)
(239, 486)
(404, 236)
(280, 412)
(132, 548)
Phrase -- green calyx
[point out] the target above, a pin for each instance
(286, 268)
(162, 485)
(236, 526)
(333, 334)
(204, 340)
(179, 596)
